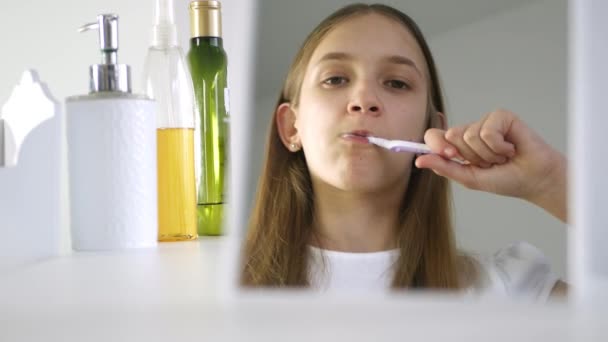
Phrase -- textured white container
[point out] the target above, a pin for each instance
(112, 171)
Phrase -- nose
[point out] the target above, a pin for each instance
(364, 100)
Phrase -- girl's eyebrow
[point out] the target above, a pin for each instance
(393, 59)
(402, 60)
(335, 56)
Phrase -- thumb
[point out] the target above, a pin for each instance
(447, 168)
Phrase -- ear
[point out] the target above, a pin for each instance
(286, 121)
(439, 121)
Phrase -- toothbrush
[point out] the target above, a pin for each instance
(406, 146)
(400, 145)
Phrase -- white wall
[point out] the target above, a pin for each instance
(42, 35)
(514, 60)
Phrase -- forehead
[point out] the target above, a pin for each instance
(371, 35)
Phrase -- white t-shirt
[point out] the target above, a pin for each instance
(517, 271)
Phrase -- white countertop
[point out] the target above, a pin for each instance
(170, 293)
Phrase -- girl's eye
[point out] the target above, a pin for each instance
(397, 84)
(335, 80)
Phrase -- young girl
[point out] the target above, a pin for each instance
(334, 212)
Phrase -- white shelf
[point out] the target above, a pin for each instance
(171, 293)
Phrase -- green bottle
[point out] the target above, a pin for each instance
(208, 66)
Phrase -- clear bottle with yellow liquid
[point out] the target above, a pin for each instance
(168, 82)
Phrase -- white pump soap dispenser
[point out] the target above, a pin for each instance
(111, 135)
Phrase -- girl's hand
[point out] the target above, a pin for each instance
(504, 157)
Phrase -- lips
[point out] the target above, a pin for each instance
(357, 136)
(360, 133)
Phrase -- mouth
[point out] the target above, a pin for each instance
(360, 133)
(358, 136)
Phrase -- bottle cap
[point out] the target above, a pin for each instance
(164, 31)
(206, 19)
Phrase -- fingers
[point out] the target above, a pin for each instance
(483, 143)
(456, 137)
(494, 131)
(435, 139)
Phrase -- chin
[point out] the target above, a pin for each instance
(371, 181)
(364, 178)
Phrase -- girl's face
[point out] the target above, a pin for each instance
(367, 76)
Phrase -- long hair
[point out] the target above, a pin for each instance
(280, 227)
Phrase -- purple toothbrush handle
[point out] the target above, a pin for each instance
(412, 150)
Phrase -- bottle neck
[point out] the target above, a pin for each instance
(206, 41)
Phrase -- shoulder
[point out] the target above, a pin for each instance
(519, 270)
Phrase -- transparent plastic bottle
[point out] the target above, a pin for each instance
(168, 81)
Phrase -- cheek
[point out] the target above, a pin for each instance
(313, 133)
(410, 121)
(321, 102)
(315, 120)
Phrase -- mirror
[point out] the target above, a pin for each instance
(489, 55)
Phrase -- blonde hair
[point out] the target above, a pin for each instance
(280, 227)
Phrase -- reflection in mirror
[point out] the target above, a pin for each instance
(335, 213)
